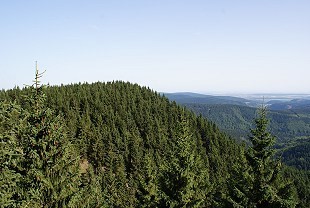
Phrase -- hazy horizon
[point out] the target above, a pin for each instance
(214, 93)
(223, 47)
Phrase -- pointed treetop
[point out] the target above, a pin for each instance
(37, 77)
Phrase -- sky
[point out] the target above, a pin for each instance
(206, 46)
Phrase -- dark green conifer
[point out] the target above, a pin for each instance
(185, 179)
(50, 166)
(240, 184)
(11, 123)
(259, 182)
(148, 193)
(267, 188)
(91, 193)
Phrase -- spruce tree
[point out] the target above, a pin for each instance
(185, 179)
(256, 180)
(51, 164)
(148, 193)
(239, 184)
(11, 123)
(91, 193)
(267, 189)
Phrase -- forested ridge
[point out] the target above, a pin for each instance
(291, 127)
(237, 120)
(117, 144)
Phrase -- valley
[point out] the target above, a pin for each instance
(233, 115)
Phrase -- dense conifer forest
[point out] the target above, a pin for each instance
(291, 128)
(118, 144)
(237, 120)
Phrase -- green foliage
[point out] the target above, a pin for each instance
(296, 153)
(260, 183)
(148, 192)
(240, 184)
(137, 149)
(237, 120)
(11, 123)
(90, 193)
(301, 180)
(185, 180)
(50, 165)
(39, 165)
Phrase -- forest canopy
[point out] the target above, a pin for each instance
(117, 144)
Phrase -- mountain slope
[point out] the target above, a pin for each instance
(237, 120)
(187, 97)
(288, 126)
(274, 102)
(119, 129)
(294, 104)
(138, 149)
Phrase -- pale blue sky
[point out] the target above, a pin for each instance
(232, 46)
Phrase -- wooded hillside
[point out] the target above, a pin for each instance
(117, 144)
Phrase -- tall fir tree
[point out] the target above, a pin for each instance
(185, 179)
(148, 193)
(239, 184)
(50, 165)
(268, 190)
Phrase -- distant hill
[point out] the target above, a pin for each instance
(289, 121)
(237, 120)
(291, 127)
(188, 97)
(283, 103)
(292, 104)
(288, 126)
(234, 115)
(296, 153)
